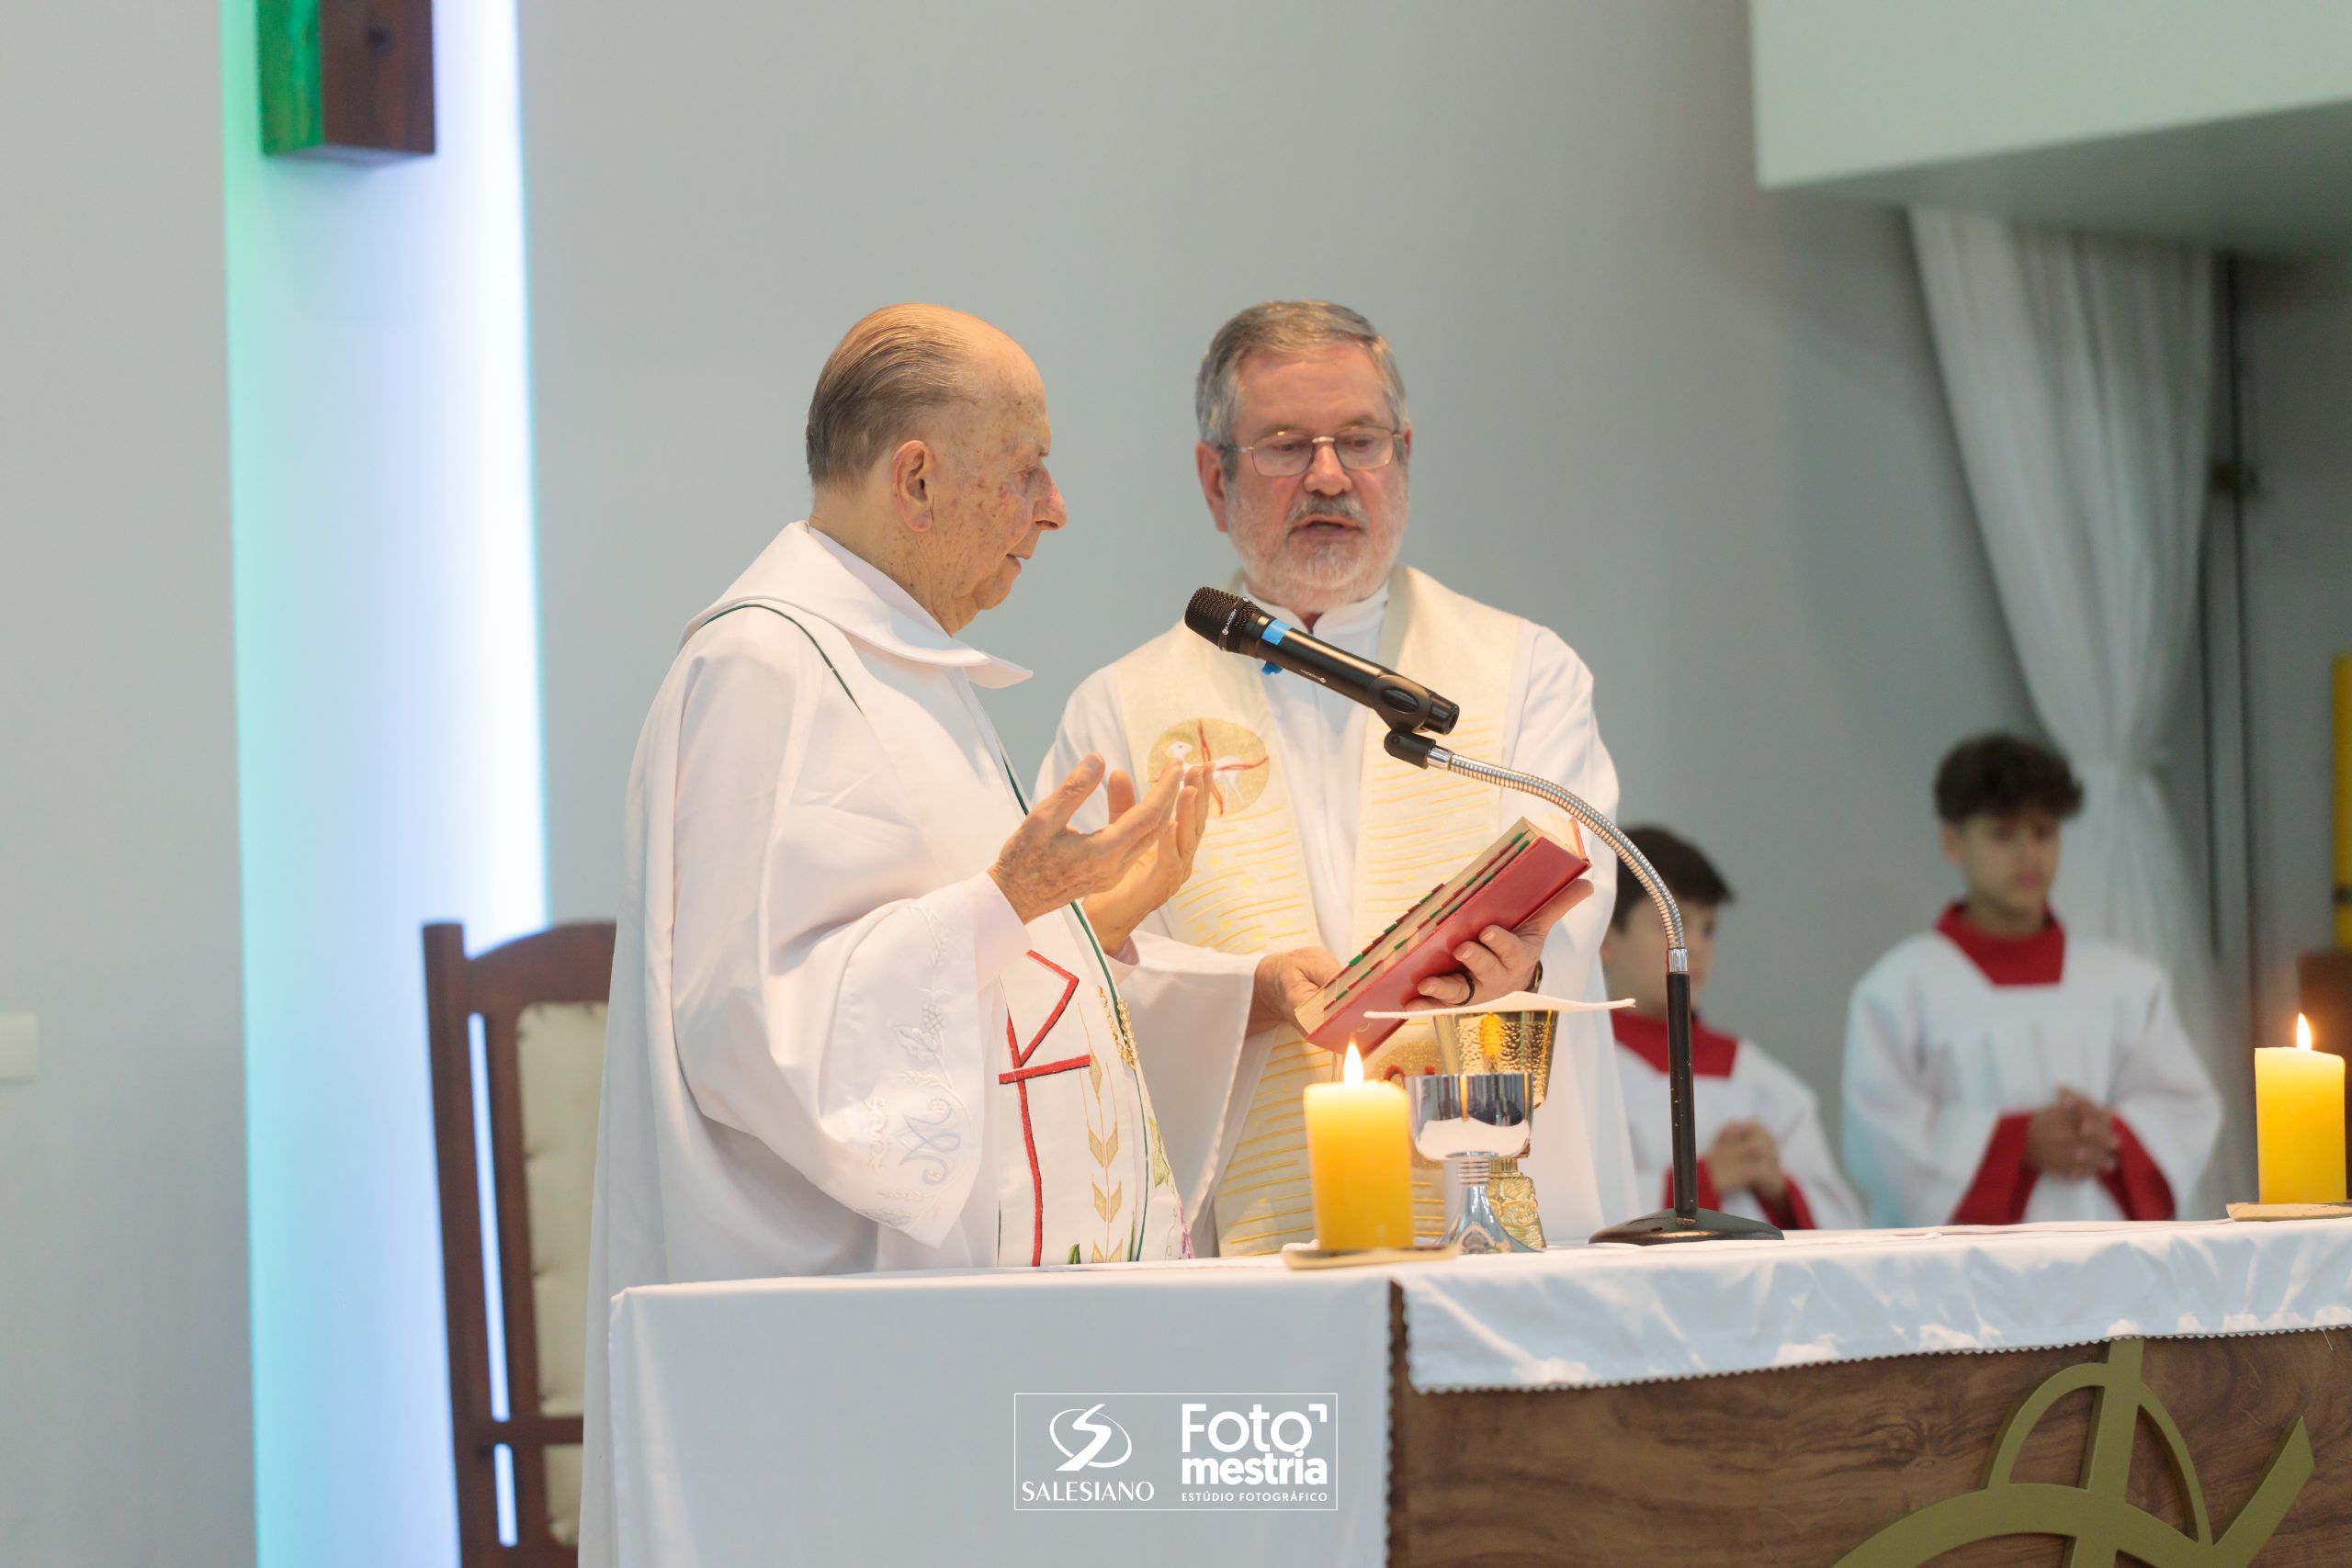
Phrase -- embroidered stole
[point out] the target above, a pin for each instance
(1183, 699)
(1079, 1173)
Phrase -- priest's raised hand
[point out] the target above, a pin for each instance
(1154, 877)
(1046, 865)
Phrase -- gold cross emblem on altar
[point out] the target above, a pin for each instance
(2096, 1518)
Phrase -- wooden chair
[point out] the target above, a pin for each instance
(541, 1000)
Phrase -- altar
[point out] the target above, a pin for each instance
(2180, 1393)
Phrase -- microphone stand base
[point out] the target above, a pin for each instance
(1665, 1225)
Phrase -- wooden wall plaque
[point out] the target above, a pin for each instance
(350, 79)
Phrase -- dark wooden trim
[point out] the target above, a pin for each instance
(562, 964)
(538, 1431)
(450, 1038)
(565, 964)
(2326, 999)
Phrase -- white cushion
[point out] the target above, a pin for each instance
(561, 1048)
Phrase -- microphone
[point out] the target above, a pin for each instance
(1236, 625)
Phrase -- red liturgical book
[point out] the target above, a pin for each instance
(1508, 881)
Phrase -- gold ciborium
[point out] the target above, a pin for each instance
(1515, 1040)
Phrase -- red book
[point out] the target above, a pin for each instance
(1504, 883)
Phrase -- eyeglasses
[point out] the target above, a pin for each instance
(1283, 455)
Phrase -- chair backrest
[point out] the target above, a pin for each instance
(541, 1002)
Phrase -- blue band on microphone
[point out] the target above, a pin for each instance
(1270, 636)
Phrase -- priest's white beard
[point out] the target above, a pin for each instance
(1310, 574)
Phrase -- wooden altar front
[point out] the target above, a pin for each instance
(1836, 1466)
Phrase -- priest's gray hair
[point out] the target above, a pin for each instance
(893, 370)
(1282, 327)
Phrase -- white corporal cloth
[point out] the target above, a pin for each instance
(1591, 1317)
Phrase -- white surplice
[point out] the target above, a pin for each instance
(1582, 1156)
(815, 978)
(1732, 1079)
(1955, 1038)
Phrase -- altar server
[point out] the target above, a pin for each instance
(1999, 1069)
(1763, 1153)
(1317, 835)
(856, 1022)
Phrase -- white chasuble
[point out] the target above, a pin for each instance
(1955, 1038)
(1181, 699)
(1731, 1080)
(833, 1045)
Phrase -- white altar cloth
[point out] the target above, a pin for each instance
(1588, 1317)
(872, 1418)
(875, 1418)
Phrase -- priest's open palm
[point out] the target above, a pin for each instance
(1045, 865)
(1165, 866)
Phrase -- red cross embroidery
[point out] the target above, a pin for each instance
(1022, 1073)
(1216, 767)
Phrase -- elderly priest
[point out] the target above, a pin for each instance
(856, 1021)
(1318, 836)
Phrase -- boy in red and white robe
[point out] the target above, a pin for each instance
(1764, 1155)
(1997, 1068)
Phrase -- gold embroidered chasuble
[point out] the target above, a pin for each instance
(1185, 700)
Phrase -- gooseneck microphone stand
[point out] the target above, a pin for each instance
(1409, 708)
(1686, 1220)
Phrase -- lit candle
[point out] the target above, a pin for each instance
(2299, 1121)
(1359, 1162)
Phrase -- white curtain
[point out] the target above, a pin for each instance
(2079, 369)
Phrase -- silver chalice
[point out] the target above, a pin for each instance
(1469, 1121)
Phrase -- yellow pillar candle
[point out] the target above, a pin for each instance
(1359, 1162)
(2344, 800)
(2299, 1121)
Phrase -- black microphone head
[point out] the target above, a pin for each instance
(1218, 615)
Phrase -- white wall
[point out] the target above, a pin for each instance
(1850, 87)
(125, 1416)
(1696, 428)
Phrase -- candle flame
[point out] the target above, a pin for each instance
(2303, 1032)
(1353, 1071)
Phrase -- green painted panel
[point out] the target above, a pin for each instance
(293, 116)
